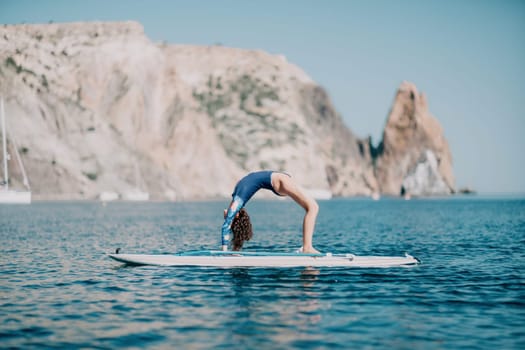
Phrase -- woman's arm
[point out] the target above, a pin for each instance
(234, 207)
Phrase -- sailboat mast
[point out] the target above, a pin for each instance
(4, 143)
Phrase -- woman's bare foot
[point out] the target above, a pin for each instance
(310, 250)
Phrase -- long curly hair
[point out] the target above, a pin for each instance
(242, 229)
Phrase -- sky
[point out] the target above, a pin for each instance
(468, 57)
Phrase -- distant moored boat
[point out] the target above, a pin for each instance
(9, 196)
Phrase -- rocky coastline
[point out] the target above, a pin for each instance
(100, 108)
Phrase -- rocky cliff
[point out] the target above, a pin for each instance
(97, 106)
(413, 157)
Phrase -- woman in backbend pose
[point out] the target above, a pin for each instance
(236, 218)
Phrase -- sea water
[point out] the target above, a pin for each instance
(59, 289)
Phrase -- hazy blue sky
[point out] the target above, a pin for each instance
(467, 56)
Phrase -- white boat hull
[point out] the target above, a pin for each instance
(343, 260)
(136, 196)
(108, 196)
(15, 197)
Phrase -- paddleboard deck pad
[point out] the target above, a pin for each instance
(217, 258)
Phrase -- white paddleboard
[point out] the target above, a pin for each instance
(263, 259)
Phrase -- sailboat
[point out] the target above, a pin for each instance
(9, 196)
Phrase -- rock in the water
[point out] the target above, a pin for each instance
(412, 134)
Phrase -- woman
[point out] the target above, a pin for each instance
(236, 218)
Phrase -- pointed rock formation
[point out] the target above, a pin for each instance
(413, 157)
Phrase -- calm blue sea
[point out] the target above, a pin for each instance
(58, 288)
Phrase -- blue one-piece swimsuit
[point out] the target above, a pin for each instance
(244, 190)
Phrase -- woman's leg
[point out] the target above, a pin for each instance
(284, 185)
(308, 228)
